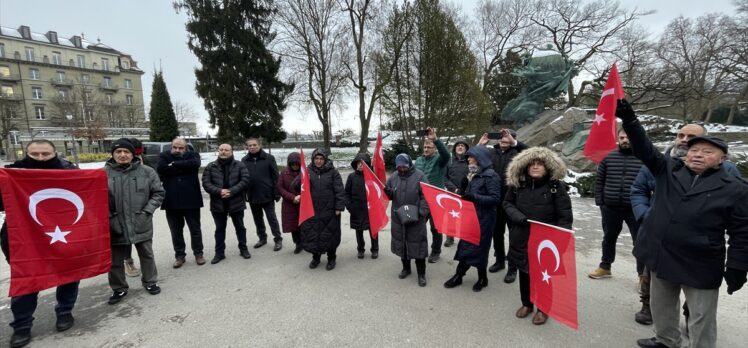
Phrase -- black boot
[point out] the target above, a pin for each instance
(482, 280)
(498, 266)
(511, 275)
(20, 338)
(421, 269)
(454, 281)
(406, 269)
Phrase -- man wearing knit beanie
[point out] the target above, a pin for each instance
(122, 143)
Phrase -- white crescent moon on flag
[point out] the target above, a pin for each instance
(379, 191)
(547, 244)
(45, 194)
(441, 196)
(607, 92)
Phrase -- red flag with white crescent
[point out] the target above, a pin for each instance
(553, 272)
(452, 215)
(378, 161)
(58, 226)
(377, 202)
(306, 207)
(602, 138)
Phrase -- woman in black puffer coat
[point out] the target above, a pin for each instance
(481, 186)
(535, 192)
(356, 203)
(321, 233)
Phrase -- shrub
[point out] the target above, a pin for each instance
(741, 161)
(397, 148)
(93, 157)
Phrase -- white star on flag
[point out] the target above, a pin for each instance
(599, 119)
(58, 236)
(546, 277)
(455, 214)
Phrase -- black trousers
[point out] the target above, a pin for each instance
(176, 219)
(24, 306)
(221, 219)
(296, 236)
(330, 255)
(524, 289)
(613, 218)
(436, 238)
(463, 267)
(361, 244)
(420, 265)
(499, 230)
(269, 210)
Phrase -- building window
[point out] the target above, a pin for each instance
(89, 115)
(109, 99)
(128, 99)
(107, 81)
(6, 91)
(2, 50)
(128, 83)
(4, 71)
(105, 64)
(62, 93)
(125, 64)
(85, 79)
(11, 113)
(56, 58)
(39, 113)
(36, 92)
(110, 116)
(61, 76)
(81, 61)
(30, 54)
(34, 74)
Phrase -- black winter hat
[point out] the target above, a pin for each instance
(712, 140)
(123, 143)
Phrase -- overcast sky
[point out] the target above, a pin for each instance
(153, 33)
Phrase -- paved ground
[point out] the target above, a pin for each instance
(275, 300)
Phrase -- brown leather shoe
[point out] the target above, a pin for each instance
(178, 262)
(523, 312)
(540, 318)
(199, 260)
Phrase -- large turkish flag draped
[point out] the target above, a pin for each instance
(553, 272)
(602, 138)
(378, 161)
(377, 202)
(58, 226)
(306, 207)
(452, 215)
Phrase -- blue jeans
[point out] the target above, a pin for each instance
(23, 307)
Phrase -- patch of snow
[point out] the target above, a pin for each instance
(557, 119)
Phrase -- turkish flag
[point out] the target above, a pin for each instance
(58, 226)
(377, 202)
(452, 215)
(306, 207)
(378, 161)
(602, 138)
(553, 272)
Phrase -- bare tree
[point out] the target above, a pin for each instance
(314, 35)
(184, 112)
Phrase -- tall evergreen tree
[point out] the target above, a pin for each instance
(238, 77)
(164, 125)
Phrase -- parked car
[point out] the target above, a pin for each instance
(151, 149)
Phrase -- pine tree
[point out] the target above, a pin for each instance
(238, 77)
(164, 125)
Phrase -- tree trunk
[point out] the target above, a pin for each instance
(734, 107)
(572, 95)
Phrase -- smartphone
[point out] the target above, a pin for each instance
(421, 133)
(494, 135)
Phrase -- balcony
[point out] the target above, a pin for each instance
(109, 87)
(10, 78)
(61, 82)
(12, 97)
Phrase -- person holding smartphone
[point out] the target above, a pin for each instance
(433, 164)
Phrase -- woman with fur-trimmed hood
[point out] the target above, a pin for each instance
(535, 192)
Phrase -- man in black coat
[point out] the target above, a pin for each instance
(226, 179)
(682, 240)
(178, 169)
(40, 154)
(615, 174)
(502, 155)
(262, 192)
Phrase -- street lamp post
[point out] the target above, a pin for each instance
(72, 137)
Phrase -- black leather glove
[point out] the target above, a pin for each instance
(389, 192)
(624, 111)
(468, 197)
(735, 279)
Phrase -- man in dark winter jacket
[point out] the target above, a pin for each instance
(502, 154)
(457, 170)
(433, 164)
(697, 203)
(178, 169)
(615, 173)
(225, 180)
(40, 154)
(262, 192)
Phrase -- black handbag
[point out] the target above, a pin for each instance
(407, 214)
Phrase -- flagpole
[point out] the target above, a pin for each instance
(553, 226)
